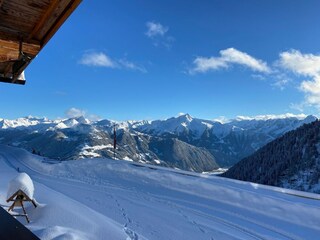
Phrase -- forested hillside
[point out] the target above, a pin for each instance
(291, 161)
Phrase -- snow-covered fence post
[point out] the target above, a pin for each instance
(20, 190)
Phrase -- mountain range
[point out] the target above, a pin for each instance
(182, 142)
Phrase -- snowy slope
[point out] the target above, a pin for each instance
(107, 199)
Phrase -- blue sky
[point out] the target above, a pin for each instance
(154, 59)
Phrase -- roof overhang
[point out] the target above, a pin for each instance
(25, 28)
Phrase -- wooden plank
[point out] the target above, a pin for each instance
(73, 4)
(9, 80)
(6, 56)
(15, 36)
(8, 69)
(21, 16)
(10, 33)
(13, 12)
(36, 4)
(24, 9)
(32, 49)
(13, 26)
(9, 20)
(44, 18)
(52, 18)
(35, 18)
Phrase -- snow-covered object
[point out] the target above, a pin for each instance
(22, 76)
(21, 182)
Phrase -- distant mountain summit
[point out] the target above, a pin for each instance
(178, 125)
(181, 142)
(291, 161)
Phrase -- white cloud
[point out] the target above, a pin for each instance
(272, 116)
(312, 90)
(158, 33)
(97, 59)
(74, 112)
(281, 80)
(221, 119)
(279, 74)
(93, 117)
(311, 86)
(297, 106)
(155, 29)
(301, 64)
(232, 55)
(227, 58)
(203, 64)
(281, 83)
(258, 76)
(132, 66)
(305, 65)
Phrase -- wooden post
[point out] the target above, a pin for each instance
(18, 198)
(114, 141)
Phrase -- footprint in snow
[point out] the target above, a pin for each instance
(131, 234)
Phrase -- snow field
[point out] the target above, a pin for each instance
(107, 199)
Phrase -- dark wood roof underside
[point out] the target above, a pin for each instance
(25, 27)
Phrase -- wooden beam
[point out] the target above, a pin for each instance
(43, 19)
(7, 70)
(9, 80)
(20, 68)
(6, 37)
(60, 20)
(10, 50)
(13, 46)
(12, 35)
(8, 56)
(28, 10)
(8, 32)
(5, 58)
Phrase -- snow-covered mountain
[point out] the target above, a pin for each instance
(178, 125)
(182, 142)
(228, 142)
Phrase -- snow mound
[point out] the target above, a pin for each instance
(60, 233)
(21, 182)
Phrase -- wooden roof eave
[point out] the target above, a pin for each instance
(29, 38)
